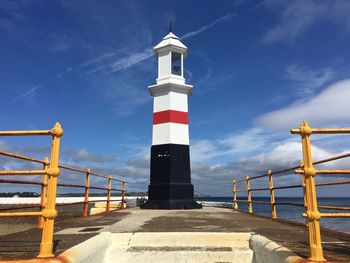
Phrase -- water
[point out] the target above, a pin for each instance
(293, 212)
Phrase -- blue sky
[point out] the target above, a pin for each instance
(258, 68)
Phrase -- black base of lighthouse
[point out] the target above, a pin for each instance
(170, 186)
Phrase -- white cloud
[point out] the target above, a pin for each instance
(246, 143)
(298, 16)
(308, 81)
(329, 108)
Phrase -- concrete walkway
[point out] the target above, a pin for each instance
(209, 219)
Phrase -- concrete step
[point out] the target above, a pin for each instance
(179, 247)
(180, 256)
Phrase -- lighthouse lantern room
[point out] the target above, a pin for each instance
(170, 185)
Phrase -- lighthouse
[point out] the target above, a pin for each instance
(170, 184)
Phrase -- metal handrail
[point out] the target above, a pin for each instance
(308, 172)
(49, 184)
(48, 211)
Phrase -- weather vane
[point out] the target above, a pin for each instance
(171, 19)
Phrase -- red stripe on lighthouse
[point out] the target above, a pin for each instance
(170, 116)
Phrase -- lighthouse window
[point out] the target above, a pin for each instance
(176, 64)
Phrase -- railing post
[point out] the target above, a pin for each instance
(235, 206)
(123, 194)
(312, 213)
(272, 195)
(43, 192)
(50, 212)
(249, 194)
(87, 190)
(108, 206)
(304, 193)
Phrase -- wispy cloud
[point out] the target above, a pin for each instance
(309, 81)
(29, 92)
(224, 18)
(102, 57)
(84, 155)
(124, 62)
(60, 43)
(12, 11)
(103, 63)
(299, 16)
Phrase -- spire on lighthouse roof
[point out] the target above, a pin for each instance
(171, 42)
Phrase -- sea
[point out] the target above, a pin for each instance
(294, 212)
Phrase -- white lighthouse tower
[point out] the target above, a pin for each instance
(170, 186)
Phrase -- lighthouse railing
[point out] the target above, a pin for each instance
(308, 185)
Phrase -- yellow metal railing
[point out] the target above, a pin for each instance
(49, 184)
(308, 172)
(52, 172)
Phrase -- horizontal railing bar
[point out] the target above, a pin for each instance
(23, 172)
(6, 181)
(334, 207)
(252, 201)
(68, 204)
(118, 180)
(258, 176)
(102, 200)
(15, 214)
(104, 176)
(337, 157)
(24, 133)
(240, 181)
(72, 168)
(114, 189)
(285, 170)
(261, 202)
(333, 183)
(259, 189)
(71, 185)
(323, 131)
(98, 188)
(242, 201)
(18, 207)
(333, 171)
(330, 130)
(21, 157)
(265, 189)
(288, 186)
(289, 203)
(325, 171)
(98, 175)
(331, 215)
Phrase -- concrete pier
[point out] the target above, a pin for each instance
(149, 227)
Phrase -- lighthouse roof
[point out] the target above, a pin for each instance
(172, 42)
